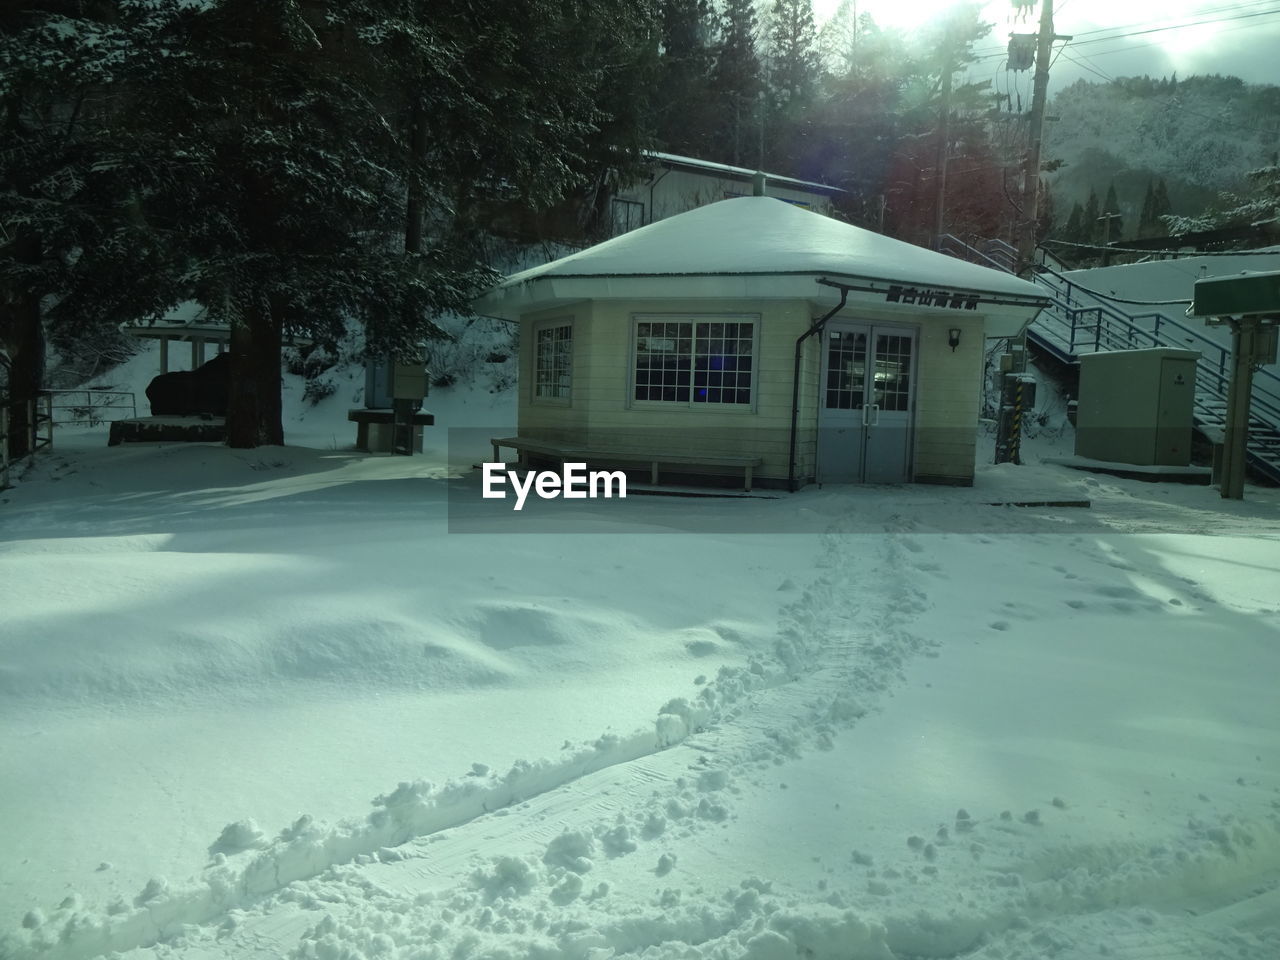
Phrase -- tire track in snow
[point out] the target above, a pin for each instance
(306, 850)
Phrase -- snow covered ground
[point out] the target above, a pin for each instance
(847, 723)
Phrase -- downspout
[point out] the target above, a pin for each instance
(817, 327)
(653, 182)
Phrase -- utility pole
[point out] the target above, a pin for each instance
(944, 135)
(1031, 176)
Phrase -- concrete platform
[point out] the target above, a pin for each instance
(1136, 471)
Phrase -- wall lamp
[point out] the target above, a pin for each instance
(953, 338)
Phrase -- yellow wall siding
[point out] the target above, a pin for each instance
(948, 397)
(761, 429)
(601, 415)
(546, 419)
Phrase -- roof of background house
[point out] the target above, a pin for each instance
(738, 173)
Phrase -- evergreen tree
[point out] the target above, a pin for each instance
(1147, 223)
(838, 40)
(793, 57)
(1092, 229)
(1160, 207)
(1112, 208)
(857, 124)
(683, 119)
(925, 91)
(736, 82)
(1046, 216)
(77, 255)
(1073, 232)
(793, 83)
(1234, 209)
(295, 166)
(281, 165)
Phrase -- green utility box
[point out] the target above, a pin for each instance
(1135, 406)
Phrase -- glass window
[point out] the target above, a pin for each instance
(694, 361)
(553, 361)
(627, 215)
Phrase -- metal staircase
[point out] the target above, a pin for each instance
(1079, 323)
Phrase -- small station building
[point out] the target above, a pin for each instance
(753, 338)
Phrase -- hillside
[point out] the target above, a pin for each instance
(1200, 135)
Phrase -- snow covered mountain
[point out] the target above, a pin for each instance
(1200, 135)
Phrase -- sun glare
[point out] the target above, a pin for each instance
(887, 13)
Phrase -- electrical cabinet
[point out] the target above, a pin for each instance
(1136, 406)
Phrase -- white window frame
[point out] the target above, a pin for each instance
(754, 319)
(549, 324)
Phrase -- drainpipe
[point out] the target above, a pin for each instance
(792, 482)
(653, 182)
(757, 184)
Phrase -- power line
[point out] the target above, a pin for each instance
(1126, 47)
(1183, 26)
(1084, 66)
(1233, 8)
(988, 54)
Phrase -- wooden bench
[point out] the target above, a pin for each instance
(564, 452)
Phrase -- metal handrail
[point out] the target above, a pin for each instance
(1157, 316)
(128, 402)
(956, 241)
(1211, 376)
(1215, 381)
(1060, 327)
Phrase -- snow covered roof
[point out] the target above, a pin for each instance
(693, 163)
(758, 248)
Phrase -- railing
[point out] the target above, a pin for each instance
(51, 408)
(1107, 328)
(996, 253)
(1074, 324)
(39, 428)
(89, 407)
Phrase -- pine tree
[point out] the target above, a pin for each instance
(1046, 216)
(926, 90)
(1235, 209)
(736, 81)
(1160, 207)
(838, 39)
(1112, 209)
(292, 166)
(683, 119)
(1073, 231)
(793, 75)
(1092, 229)
(77, 255)
(1147, 223)
(793, 56)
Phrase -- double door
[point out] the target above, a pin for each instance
(867, 403)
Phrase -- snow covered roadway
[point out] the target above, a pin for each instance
(899, 724)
